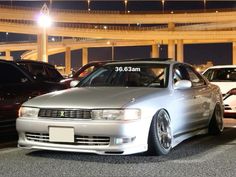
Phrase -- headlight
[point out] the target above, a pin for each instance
(28, 112)
(116, 114)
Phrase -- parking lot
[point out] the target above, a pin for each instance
(199, 156)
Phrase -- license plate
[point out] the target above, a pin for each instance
(61, 134)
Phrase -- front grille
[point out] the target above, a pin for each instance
(79, 140)
(65, 113)
(227, 107)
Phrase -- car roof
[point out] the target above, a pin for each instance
(144, 60)
(25, 61)
(222, 66)
(33, 61)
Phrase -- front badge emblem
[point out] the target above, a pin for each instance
(62, 114)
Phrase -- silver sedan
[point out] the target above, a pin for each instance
(124, 108)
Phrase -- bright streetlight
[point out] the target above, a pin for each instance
(44, 20)
(126, 2)
(88, 5)
(163, 5)
(204, 1)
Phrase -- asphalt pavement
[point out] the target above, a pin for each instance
(200, 156)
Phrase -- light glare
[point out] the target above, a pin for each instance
(44, 21)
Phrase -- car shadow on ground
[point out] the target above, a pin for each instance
(188, 149)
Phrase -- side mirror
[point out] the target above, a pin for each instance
(74, 83)
(24, 80)
(183, 84)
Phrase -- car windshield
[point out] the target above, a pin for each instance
(128, 75)
(221, 75)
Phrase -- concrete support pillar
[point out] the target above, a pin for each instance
(84, 56)
(171, 26)
(155, 51)
(8, 55)
(42, 42)
(68, 61)
(171, 43)
(112, 52)
(234, 53)
(171, 49)
(180, 51)
(39, 47)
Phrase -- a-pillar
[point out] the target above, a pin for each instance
(68, 61)
(8, 55)
(171, 42)
(234, 52)
(84, 56)
(180, 50)
(155, 51)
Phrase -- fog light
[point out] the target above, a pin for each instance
(124, 140)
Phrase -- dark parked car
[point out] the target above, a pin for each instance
(20, 81)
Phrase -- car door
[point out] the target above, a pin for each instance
(184, 103)
(202, 97)
(13, 91)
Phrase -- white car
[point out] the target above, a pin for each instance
(230, 104)
(225, 77)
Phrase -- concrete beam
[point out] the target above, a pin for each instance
(25, 13)
(121, 34)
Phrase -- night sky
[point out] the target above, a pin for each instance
(194, 54)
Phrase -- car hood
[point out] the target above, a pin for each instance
(84, 97)
(225, 86)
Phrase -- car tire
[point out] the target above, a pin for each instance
(160, 136)
(216, 125)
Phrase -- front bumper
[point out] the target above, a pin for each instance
(132, 133)
(230, 111)
(230, 114)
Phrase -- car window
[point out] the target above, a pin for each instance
(53, 74)
(38, 71)
(11, 75)
(128, 75)
(41, 72)
(180, 73)
(195, 77)
(221, 75)
(208, 74)
(86, 72)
